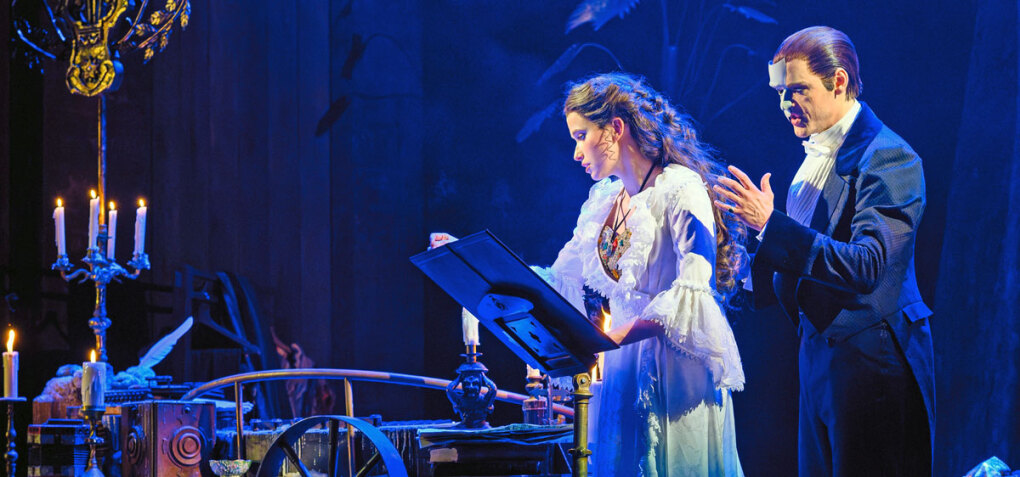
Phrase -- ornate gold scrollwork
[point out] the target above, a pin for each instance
(92, 69)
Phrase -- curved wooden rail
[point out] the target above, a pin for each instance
(353, 375)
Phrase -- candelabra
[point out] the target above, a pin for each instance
(102, 271)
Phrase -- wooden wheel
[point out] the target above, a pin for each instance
(283, 449)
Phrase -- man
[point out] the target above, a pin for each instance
(840, 262)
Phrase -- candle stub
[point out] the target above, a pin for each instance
(532, 372)
(470, 326)
(92, 378)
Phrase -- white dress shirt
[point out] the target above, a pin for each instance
(820, 157)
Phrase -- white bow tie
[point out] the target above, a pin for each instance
(814, 149)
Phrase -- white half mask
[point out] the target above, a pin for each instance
(777, 81)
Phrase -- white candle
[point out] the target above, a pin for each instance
(532, 372)
(58, 224)
(93, 220)
(111, 230)
(10, 368)
(140, 227)
(92, 383)
(470, 326)
(598, 371)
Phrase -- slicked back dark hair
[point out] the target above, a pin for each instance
(825, 50)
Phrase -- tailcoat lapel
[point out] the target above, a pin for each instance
(833, 199)
(830, 203)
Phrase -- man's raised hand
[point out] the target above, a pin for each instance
(753, 206)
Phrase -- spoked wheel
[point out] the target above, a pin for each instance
(283, 449)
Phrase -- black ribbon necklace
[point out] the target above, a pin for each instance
(619, 202)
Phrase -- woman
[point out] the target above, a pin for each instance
(652, 244)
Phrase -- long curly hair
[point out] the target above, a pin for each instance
(665, 136)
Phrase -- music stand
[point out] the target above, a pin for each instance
(525, 313)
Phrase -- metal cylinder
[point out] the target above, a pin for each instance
(580, 452)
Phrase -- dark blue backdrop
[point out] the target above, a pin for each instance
(312, 146)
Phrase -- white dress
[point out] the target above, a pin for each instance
(664, 408)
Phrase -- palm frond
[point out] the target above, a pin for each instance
(598, 12)
(561, 63)
(751, 13)
(536, 120)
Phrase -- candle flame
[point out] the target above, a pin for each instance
(607, 324)
(113, 206)
(60, 202)
(141, 202)
(92, 357)
(93, 193)
(10, 341)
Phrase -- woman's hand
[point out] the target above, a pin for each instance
(438, 239)
(634, 331)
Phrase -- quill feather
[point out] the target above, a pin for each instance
(163, 347)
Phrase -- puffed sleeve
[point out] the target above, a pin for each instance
(688, 311)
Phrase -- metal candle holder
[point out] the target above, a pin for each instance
(93, 416)
(469, 402)
(102, 271)
(11, 456)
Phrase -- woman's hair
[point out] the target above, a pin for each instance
(665, 136)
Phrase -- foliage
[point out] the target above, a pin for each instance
(681, 76)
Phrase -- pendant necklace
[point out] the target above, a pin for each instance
(611, 242)
(619, 203)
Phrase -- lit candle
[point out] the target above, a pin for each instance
(93, 219)
(92, 383)
(470, 325)
(10, 368)
(111, 230)
(140, 227)
(532, 372)
(598, 372)
(58, 224)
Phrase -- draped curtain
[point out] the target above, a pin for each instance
(977, 307)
